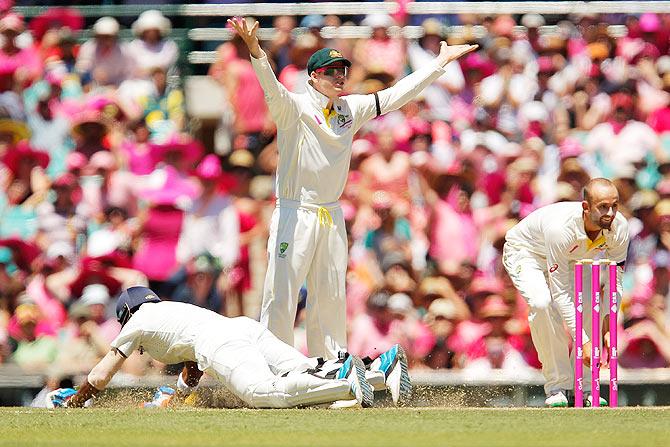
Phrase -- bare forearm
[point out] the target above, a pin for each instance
(85, 392)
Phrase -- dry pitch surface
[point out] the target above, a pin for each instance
(384, 427)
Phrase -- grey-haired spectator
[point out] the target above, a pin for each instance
(103, 60)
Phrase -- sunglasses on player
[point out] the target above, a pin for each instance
(334, 71)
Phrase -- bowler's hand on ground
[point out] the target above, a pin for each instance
(450, 53)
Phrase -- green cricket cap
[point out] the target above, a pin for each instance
(325, 57)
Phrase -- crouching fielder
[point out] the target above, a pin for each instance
(539, 255)
(240, 353)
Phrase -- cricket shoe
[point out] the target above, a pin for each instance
(589, 401)
(353, 370)
(393, 363)
(162, 398)
(556, 400)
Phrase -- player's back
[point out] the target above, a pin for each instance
(173, 332)
(530, 232)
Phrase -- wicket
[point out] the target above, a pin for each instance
(595, 332)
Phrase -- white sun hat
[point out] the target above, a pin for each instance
(106, 26)
(152, 19)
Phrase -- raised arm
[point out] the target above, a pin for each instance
(408, 87)
(282, 106)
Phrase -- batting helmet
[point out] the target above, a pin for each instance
(131, 299)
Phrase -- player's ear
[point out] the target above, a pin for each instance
(585, 205)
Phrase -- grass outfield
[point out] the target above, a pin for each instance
(384, 427)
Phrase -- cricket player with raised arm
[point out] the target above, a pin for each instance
(307, 239)
(539, 256)
(247, 358)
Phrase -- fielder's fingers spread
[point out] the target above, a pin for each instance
(256, 25)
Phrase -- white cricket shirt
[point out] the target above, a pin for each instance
(172, 332)
(556, 233)
(315, 143)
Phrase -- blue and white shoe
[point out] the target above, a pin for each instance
(353, 370)
(393, 363)
(162, 398)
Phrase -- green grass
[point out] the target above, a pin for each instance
(384, 427)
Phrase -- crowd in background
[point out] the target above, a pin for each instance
(102, 185)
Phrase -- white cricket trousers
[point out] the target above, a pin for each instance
(265, 372)
(307, 243)
(547, 329)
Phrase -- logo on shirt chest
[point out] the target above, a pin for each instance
(344, 121)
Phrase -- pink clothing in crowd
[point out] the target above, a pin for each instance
(368, 338)
(387, 55)
(27, 59)
(247, 99)
(659, 120)
(454, 237)
(48, 305)
(139, 157)
(156, 255)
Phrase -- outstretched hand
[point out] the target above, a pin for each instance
(450, 53)
(247, 34)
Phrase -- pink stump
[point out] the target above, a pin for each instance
(595, 334)
(614, 362)
(579, 354)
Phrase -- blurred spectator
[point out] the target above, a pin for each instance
(294, 75)
(442, 319)
(386, 170)
(89, 128)
(280, 47)
(103, 61)
(376, 330)
(151, 48)
(85, 340)
(211, 214)
(381, 53)
(136, 150)
(32, 337)
(453, 235)
(162, 106)
(64, 220)
(438, 94)
(622, 142)
(197, 284)
(392, 234)
(234, 72)
(160, 224)
(496, 350)
(26, 61)
(180, 151)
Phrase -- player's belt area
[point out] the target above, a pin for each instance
(323, 210)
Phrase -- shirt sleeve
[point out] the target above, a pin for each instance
(560, 281)
(617, 252)
(128, 340)
(282, 105)
(364, 107)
